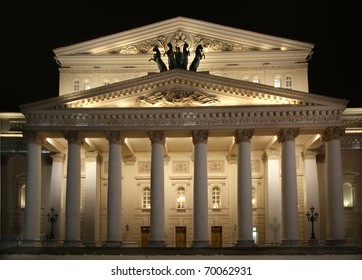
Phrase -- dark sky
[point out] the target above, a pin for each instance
(31, 32)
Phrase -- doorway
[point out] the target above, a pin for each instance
(180, 236)
(145, 235)
(216, 236)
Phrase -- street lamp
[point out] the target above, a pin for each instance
(312, 217)
(52, 218)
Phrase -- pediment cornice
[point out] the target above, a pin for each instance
(117, 95)
(178, 30)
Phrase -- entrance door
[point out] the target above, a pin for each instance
(180, 236)
(145, 236)
(216, 236)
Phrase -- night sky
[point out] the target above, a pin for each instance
(31, 32)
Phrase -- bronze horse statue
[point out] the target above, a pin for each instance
(198, 56)
(184, 56)
(171, 57)
(157, 58)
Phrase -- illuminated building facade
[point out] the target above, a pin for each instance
(233, 152)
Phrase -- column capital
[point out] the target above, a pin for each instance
(200, 136)
(243, 135)
(33, 137)
(73, 137)
(287, 134)
(114, 137)
(156, 136)
(331, 133)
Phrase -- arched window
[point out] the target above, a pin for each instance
(256, 79)
(277, 81)
(245, 78)
(86, 84)
(216, 197)
(146, 198)
(76, 85)
(348, 195)
(106, 81)
(288, 81)
(181, 200)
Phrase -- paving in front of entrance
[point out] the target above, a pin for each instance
(154, 253)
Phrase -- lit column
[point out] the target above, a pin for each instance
(72, 213)
(311, 186)
(244, 186)
(157, 235)
(114, 203)
(334, 185)
(92, 198)
(289, 186)
(56, 186)
(33, 190)
(199, 139)
(273, 196)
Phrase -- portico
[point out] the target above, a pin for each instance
(176, 153)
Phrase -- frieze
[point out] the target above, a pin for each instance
(176, 97)
(101, 120)
(178, 38)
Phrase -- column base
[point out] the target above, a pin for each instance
(156, 243)
(31, 243)
(313, 242)
(245, 243)
(290, 242)
(200, 243)
(335, 242)
(112, 244)
(72, 243)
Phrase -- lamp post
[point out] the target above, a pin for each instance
(52, 218)
(312, 217)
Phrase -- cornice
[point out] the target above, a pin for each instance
(189, 81)
(184, 118)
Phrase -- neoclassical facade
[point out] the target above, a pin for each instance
(138, 152)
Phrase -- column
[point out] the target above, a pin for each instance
(244, 187)
(157, 235)
(273, 196)
(114, 204)
(289, 186)
(334, 185)
(72, 204)
(56, 186)
(33, 190)
(311, 189)
(201, 227)
(92, 199)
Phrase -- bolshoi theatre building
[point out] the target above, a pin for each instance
(182, 133)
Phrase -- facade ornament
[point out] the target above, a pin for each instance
(114, 137)
(331, 133)
(33, 137)
(156, 136)
(243, 135)
(287, 134)
(199, 136)
(73, 137)
(177, 97)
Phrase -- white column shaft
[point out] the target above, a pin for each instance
(33, 193)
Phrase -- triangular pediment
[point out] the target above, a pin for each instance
(183, 88)
(133, 47)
